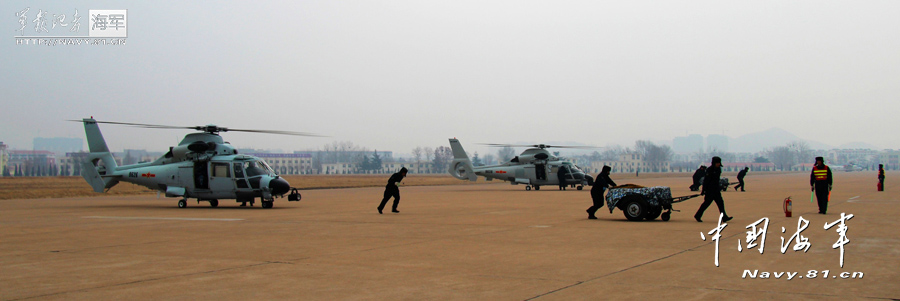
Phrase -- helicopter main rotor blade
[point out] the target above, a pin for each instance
(205, 128)
(272, 132)
(536, 145)
(153, 126)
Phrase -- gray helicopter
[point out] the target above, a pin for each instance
(535, 167)
(202, 166)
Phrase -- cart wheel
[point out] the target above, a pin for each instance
(580, 187)
(653, 213)
(665, 216)
(635, 207)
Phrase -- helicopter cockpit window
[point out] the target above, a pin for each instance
(238, 170)
(257, 168)
(575, 169)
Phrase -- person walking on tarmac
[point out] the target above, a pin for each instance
(562, 174)
(698, 177)
(880, 177)
(391, 190)
(600, 184)
(740, 177)
(820, 181)
(711, 190)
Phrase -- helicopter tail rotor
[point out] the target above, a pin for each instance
(99, 161)
(461, 167)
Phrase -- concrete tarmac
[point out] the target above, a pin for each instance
(483, 242)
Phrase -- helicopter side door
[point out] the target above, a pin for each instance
(243, 189)
(220, 180)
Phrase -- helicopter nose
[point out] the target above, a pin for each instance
(279, 186)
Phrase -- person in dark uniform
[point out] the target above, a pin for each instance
(711, 190)
(600, 184)
(562, 174)
(880, 177)
(391, 190)
(740, 177)
(698, 177)
(820, 182)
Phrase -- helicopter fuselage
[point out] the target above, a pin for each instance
(534, 167)
(202, 166)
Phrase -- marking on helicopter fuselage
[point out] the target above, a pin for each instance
(148, 175)
(167, 218)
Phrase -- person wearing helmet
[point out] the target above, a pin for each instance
(391, 190)
(698, 178)
(600, 184)
(740, 178)
(711, 190)
(820, 181)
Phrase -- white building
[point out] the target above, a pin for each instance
(629, 163)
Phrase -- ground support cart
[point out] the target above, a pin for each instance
(639, 203)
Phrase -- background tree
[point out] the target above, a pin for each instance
(656, 156)
(801, 150)
(442, 157)
(781, 156)
(505, 154)
(476, 161)
(365, 165)
(489, 159)
(612, 153)
(377, 165)
(417, 153)
(429, 155)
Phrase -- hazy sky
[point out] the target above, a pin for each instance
(393, 75)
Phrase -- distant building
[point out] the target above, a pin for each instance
(58, 146)
(4, 158)
(70, 164)
(629, 163)
(890, 159)
(687, 144)
(857, 156)
(738, 166)
(386, 168)
(718, 142)
(32, 163)
(288, 164)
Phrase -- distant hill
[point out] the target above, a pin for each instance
(768, 139)
(857, 145)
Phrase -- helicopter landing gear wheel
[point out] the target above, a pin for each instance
(527, 187)
(536, 187)
(214, 203)
(268, 204)
(182, 203)
(580, 187)
(666, 215)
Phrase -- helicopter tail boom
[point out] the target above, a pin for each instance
(99, 163)
(461, 166)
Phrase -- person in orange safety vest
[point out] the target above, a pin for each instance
(820, 181)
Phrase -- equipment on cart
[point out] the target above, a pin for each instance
(639, 203)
